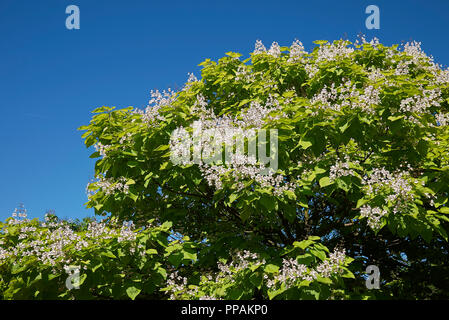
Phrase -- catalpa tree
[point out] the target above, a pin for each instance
(286, 174)
(361, 166)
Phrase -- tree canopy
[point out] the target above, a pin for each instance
(357, 175)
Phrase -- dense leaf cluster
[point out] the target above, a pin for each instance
(363, 165)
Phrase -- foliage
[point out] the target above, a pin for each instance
(112, 261)
(362, 164)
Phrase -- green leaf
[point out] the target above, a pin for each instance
(303, 244)
(344, 127)
(394, 118)
(162, 147)
(444, 210)
(290, 194)
(232, 197)
(269, 203)
(133, 196)
(189, 255)
(166, 225)
(108, 254)
(325, 181)
(271, 268)
(233, 54)
(256, 279)
(133, 292)
(304, 144)
(164, 165)
(318, 253)
(132, 163)
(305, 259)
(348, 274)
(274, 293)
(324, 280)
(151, 251)
(96, 267)
(361, 202)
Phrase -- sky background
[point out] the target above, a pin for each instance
(52, 77)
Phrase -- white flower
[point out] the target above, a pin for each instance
(151, 115)
(333, 51)
(275, 50)
(259, 47)
(296, 51)
(373, 215)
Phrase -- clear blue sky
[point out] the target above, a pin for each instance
(52, 77)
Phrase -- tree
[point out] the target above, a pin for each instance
(357, 173)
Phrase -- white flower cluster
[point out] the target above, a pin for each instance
(127, 233)
(296, 51)
(373, 215)
(259, 47)
(335, 98)
(422, 61)
(242, 170)
(101, 149)
(4, 254)
(402, 68)
(398, 187)
(414, 50)
(418, 58)
(398, 183)
(275, 50)
(243, 74)
(176, 284)
(97, 230)
(180, 142)
(51, 248)
(311, 69)
(326, 98)
(20, 212)
(442, 119)
(333, 51)
(125, 138)
(369, 97)
(292, 271)
(422, 103)
(226, 130)
(289, 274)
(442, 76)
(242, 260)
(191, 78)
(256, 114)
(374, 41)
(375, 74)
(24, 231)
(340, 169)
(110, 185)
(152, 115)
